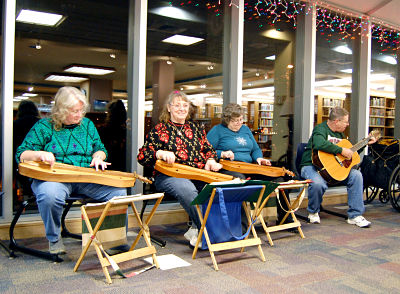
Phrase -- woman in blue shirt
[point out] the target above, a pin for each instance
(234, 141)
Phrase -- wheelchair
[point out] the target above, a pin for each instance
(381, 172)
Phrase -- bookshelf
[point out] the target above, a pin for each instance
(324, 105)
(260, 119)
(381, 115)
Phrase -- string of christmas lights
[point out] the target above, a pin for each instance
(331, 22)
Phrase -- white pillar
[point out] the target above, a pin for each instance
(7, 95)
(233, 53)
(136, 80)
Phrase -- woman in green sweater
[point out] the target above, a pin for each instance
(66, 137)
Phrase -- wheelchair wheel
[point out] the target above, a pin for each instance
(384, 196)
(370, 193)
(394, 188)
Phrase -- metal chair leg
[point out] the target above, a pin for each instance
(14, 246)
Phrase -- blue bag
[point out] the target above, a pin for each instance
(224, 220)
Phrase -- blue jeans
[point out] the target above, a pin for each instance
(317, 188)
(183, 190)
(50, 197)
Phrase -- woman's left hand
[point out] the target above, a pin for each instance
(263, 161)
(98, 161)
(212, 165)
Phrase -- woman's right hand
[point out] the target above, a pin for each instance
(228, 154)
(166, 156)
(38, 156)
(47, 157)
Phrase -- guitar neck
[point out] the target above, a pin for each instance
(360, 144)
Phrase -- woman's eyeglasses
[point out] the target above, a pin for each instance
(178, 106)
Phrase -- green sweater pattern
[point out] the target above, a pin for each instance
(70, 145)
(319, 140)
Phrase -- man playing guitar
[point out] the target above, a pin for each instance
(324, 138)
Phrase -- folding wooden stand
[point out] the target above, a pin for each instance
(144, 231)
(207, 195)
(302, 185)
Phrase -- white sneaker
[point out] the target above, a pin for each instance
(191, 233)
(314, 218)
(193, 242)
(359, 221)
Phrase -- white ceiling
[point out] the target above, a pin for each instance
(387, 11)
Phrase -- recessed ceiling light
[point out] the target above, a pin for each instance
(29, 95)
(272, 57)
(56, 77)
(39, 18)
(348, 70)
(387, 59)
(343, 49)
(19, 98)
(182, 40)
(89, 69)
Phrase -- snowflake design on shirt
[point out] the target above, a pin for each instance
(241, 141)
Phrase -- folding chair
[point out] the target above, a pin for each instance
(302, 185)
(221, 218)
(105, 224)
(14, 246)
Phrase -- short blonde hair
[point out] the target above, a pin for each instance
(66, 98)
(232, 110)
(165, 116)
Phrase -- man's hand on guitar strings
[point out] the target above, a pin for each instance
(347, 153)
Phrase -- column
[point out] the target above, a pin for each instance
(233, 52)
(304, 75)
(163, 84)
(7, 94)
(136, 80)
(359, 105)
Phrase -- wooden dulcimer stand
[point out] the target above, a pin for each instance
(237, 193)
(302, 185)
(104, 258)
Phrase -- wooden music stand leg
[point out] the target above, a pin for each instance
(144, 229)
(203, 230)
(91, 231)
(95, 244)
(257, 213)
(292, 208)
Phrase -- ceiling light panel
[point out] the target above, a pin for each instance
(39, 18)
(343, 49)
(88, 69)
(65, 78)
(182, 40)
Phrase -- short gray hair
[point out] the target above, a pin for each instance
(232, 110)
(337, 113)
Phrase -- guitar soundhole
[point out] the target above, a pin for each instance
(347, 162)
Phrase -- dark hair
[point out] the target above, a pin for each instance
(232, 110)
(27, 107)
(116, 115)
(337, 113)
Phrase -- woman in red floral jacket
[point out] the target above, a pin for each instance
(175, 139)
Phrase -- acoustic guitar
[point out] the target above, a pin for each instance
(335, 168)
